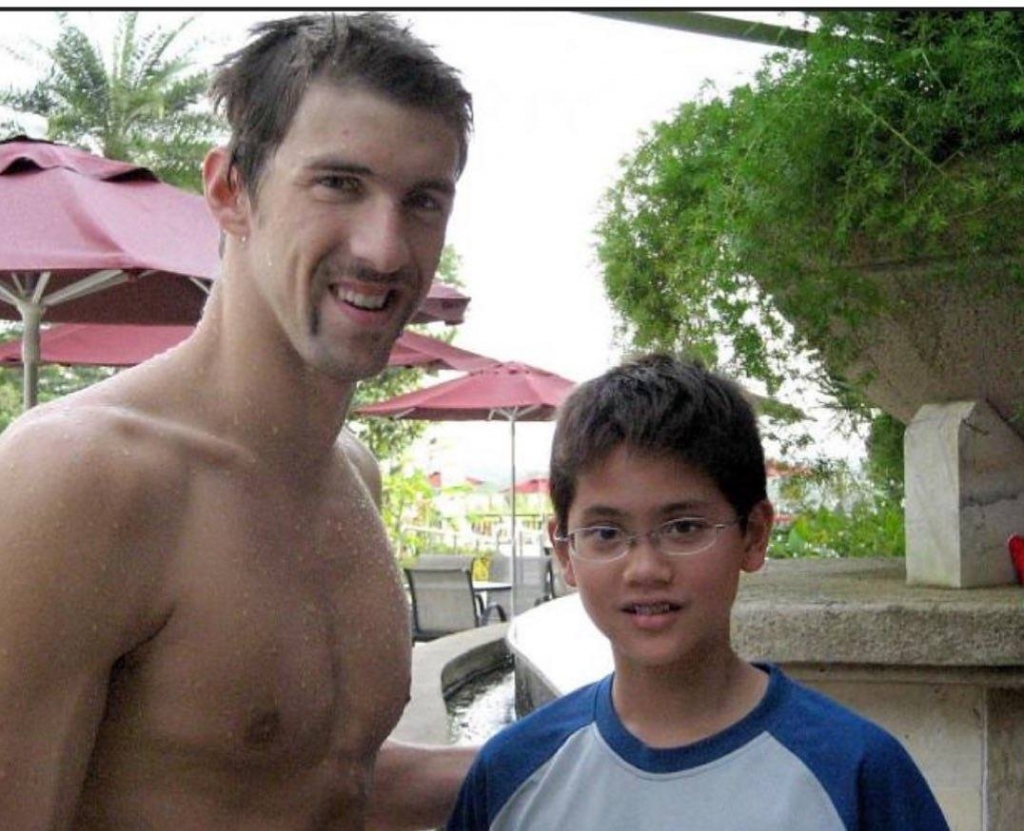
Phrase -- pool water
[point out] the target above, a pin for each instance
(482, 707)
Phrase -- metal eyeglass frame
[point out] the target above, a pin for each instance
(653, 534)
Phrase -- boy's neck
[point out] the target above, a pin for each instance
(672, 707)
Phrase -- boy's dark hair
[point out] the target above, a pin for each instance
(660, 405)
(261, 85)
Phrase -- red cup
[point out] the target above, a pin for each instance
(1016, 546)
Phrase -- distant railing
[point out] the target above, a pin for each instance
(420, 539)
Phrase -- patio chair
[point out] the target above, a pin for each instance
(443, 561)
(443, 602)
(557, 587)
(531, 585)
(534, 582)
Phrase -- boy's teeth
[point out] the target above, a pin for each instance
(652, 608)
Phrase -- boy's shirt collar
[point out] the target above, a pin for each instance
(671, 760)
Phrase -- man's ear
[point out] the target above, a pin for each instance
(758, 535)
(561, 550)
(225, 195)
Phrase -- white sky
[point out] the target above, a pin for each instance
(559, 98)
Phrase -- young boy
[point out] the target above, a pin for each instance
(658, 486)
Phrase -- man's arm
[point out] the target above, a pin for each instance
(63, 596)
(415, 786)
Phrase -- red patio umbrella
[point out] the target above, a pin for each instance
(443, 304)
(124, 344)
(91, 239)
(98, 344)
(536, 484)
(414, 349)
(511, 391)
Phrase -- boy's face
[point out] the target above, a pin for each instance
(660, 611)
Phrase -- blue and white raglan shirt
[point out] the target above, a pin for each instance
(798, 762)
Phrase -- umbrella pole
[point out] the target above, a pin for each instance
(31, 315)
(515, 573)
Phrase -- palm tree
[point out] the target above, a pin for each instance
(146, 106)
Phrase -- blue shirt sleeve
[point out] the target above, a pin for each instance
(894, 795)
(470, 812)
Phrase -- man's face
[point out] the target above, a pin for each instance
(349, 224)
(660, 611)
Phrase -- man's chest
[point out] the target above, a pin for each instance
(288, 645)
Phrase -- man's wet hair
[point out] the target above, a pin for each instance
(663, 407)
(260, 86)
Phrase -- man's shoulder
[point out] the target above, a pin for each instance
(355, 453)
(96, 435)
(83, 510)
(46, 439)
(91, 463)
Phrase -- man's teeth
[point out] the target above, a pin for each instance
(360, 301)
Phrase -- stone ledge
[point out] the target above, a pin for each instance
(441, 666)
(862, 612)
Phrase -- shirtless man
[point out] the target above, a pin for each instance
(201, 624)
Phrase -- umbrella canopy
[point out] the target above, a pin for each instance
(75, 224)
(91, 239)
(507, 390)
(443, 304)
(536, 484)
(413, 349)
(510, 391)
(98, 344)
(115, 344)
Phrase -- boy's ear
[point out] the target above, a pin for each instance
(225, 195)
(561, 550)
(758, 534)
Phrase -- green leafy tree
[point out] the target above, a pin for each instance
(736, 225)
(145, 105)
(838, 512)
(407, 504)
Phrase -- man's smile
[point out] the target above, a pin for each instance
(360, 298)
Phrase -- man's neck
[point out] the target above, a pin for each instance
(250, 388)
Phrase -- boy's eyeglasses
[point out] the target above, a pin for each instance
(680, 537)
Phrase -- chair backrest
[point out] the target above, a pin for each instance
(559, 588)
(444, 561)
(442, 601)
(501, 568)
(531, 582)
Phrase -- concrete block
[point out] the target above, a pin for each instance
(964, 495)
